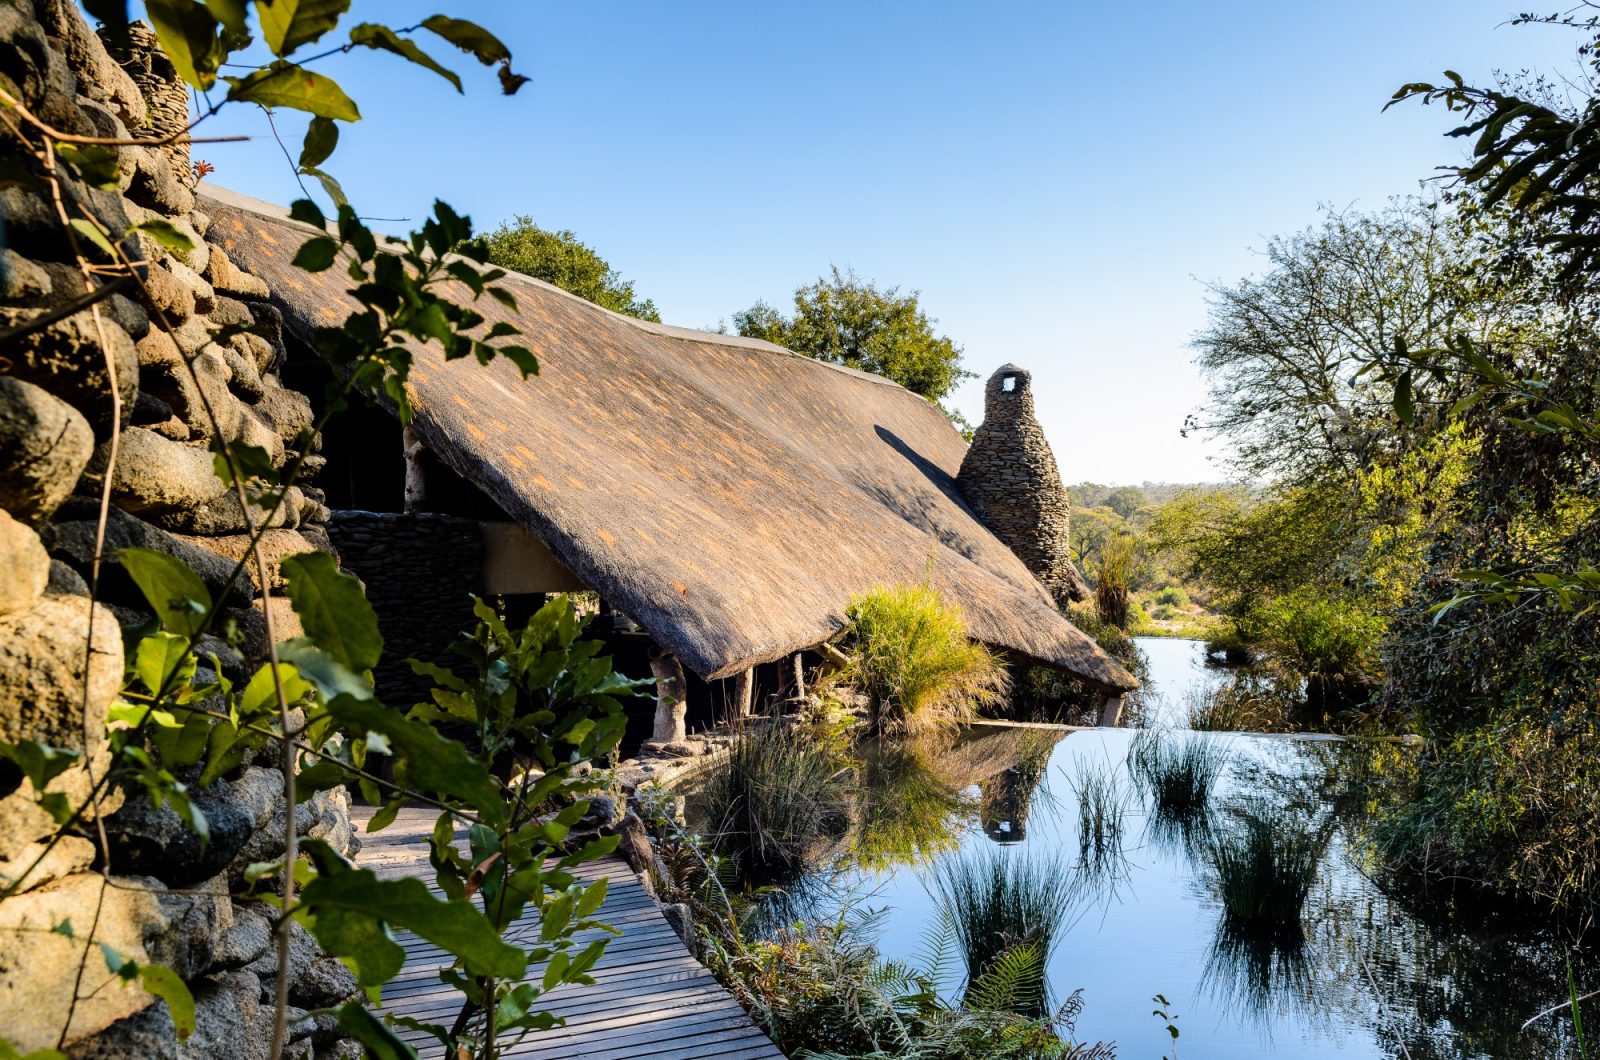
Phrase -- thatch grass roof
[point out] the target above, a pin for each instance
(727, 494)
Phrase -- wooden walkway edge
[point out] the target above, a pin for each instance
(651, 998)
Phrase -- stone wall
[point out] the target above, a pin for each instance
(172, 900)
(1009, 477)
(419, 569)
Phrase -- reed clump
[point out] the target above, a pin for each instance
(779, 798)
(1265, 866)
(914, 661)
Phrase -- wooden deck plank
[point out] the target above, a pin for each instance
(651, 998)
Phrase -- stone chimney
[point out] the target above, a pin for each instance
(1009, 478)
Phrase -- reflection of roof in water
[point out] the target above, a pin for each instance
(727, 494)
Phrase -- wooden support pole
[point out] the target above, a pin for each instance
(1110, 712)
(416, 484)
(744, 694)
(672, 705)
(799, 675)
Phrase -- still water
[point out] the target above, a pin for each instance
(1368, 976)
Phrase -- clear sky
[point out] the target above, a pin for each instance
(1057, 179)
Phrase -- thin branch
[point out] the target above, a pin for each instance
(66, 309)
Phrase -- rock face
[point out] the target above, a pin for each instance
(1009, 477)
(194, 355)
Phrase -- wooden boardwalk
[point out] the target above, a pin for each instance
(650, 998)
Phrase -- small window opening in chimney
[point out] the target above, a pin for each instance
(1009, 383)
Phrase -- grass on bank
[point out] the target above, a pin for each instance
(914, 661)
(779, 796)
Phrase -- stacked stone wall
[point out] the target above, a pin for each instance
(171, 901)
(1009, 477)
(420, 569)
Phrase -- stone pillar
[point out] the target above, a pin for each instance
(165, 94)
(1009, 478)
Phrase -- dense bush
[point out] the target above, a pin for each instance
(914, 662)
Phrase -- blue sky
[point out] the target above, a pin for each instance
(1056, 179)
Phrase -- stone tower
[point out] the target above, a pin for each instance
(1009, 478)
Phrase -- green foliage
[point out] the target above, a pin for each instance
(780, 795)
(1125, 500)
(914, 662)
(843, 319)
(560, 258)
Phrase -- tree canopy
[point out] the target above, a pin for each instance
(843, 319)
(562, 259)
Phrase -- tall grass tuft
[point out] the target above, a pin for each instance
(1005, 907)
(1265, 868)
(1113, 575)
(1102, 805)
(1177, 773)
(915, 663)
(779, 797)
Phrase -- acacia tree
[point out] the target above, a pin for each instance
(562, 259)
(843, 319)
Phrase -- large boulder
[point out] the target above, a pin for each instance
(153, 473)
(326, 983)
(26, 565)
(36, 984)
(45, 693)
(276, 546)
(229, 1019)
(74, 359)
(72, 539)
(154, 840)
(45, 444)
(99, 76)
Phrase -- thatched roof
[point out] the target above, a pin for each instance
(727, 494)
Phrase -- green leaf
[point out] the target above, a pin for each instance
(233, 16)
(287, 85)
(375, 1036)
(95, 163)
(287, 24)
(316, 254)
(163, 662)
(176, 593)
(333, 609)
(350, 911)
(433, 762)
(330, 677)
(372, 35)
(322, 136)
(307, 212)
(470, 38)
(92, 233)
(188, 35)
(39, 762)
(167, 234)
(332, 187)
(164, 983)
(1404, 407)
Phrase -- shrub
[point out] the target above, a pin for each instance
(1333, 642)
(778, 798)
(915, 663)
(1250, 702)
(1172, 596)
(1508, 806)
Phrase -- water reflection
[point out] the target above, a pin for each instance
(1365, 968)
